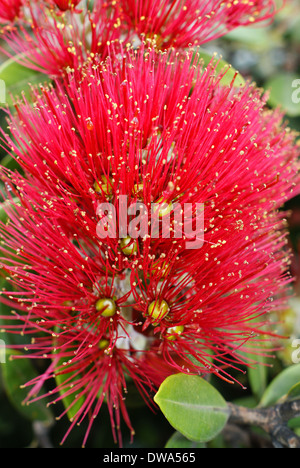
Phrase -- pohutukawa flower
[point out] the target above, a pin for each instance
(180, 23)
(66, 4)
(9, 10)
(115, 287)
(66, 41)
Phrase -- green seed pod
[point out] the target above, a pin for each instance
(105, 186)
(107, 306)
(174, 332)
(128, 246)
(162, 268)
(103, 344)
(158, 309)
(164, 208)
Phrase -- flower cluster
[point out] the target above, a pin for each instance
(144, 234)
(9, 10)
(66, 34)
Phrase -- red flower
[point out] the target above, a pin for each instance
(66, 41)
(138, 306)
(180, 23)
(9, 10)
(65, 5)
(62, 42)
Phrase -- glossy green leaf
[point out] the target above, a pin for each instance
(284, 91)
(281, 385)
(192, 406)
(16, 79)
(15, 373)
(177, 440)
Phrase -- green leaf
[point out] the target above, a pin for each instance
(70, 402)
(257, 376)
(64, 381)
(281, 385)
(11, 339)
(177, 440)
(15, 373)
(249, 401)
(10, 163)
(294, 392)
(254, 38)
(16, 79)
(4, 206)
(284, 91)
(192, 406)
(294, 423)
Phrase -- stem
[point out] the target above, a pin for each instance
(273, 420)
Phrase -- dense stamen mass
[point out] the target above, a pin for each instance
(104, 186)
(65, 41)
(66, 4)
(10, 10)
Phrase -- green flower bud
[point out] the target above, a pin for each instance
(164, 208)
(105, 186)
(174, 332)
(128, 246)
(103, 344)
(161, 268)
(107, 306)
(158, 309)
